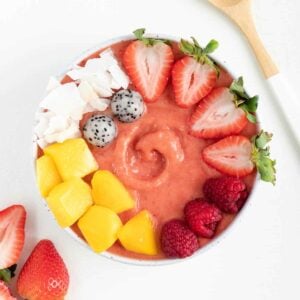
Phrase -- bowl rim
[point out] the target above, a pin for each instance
(134, 261)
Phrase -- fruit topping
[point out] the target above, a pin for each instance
(72, 158)
(5, 292)
(44, 275)
(228, 193)
(177, 240)
(103, 74)
(223, 112)
(100, 225)
(138, 234)
(69, 200)
(108, 191)
(202, 217)
(12, 235)
(46, 174)
(148, 62)
(194, 75)
(127, 106)
(99, 130)
(237, 156)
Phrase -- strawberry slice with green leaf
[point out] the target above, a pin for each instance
(12, 224)
(224, 112)
(148, 62)
(194, 75)
(5, 293)
(237, 156)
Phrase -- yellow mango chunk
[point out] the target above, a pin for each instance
(72, 158)
(109, 191)
(100, 225)
(46, 174)
(138, 234)
(69, 200)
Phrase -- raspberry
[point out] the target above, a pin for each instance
(202, 217)
(228, 193)
(177, 240)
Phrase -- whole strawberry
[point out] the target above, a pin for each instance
(228, 193)
(44, 276)
(177, 240)
(202, 217)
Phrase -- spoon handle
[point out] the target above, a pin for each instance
(284, 96)
(242, 16)
(288, 103)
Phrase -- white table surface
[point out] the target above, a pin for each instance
(259, 259)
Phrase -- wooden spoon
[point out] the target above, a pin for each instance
(240, 12)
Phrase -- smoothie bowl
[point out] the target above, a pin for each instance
(147, 149)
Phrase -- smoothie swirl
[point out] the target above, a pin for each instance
(145, 155)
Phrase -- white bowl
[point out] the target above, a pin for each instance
(142, 262)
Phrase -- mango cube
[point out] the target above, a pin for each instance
(69, 200)
(100, 226)
(46, 174)
(108, 191)
(72, 158)
(138, 234)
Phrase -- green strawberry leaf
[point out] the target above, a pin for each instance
(194, 50)
(186, 47)
(139, 34)
(242, 100)
(211, 47)
(8, 273)
(261, 157)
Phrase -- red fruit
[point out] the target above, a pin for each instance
(217, 116)
(12, 224)
(148, 63)
(228, 193)
(177, 240)
(5, 293)
(44, 276)
(202, 217)
(192, 81)
(231, 155)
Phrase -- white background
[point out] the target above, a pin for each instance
(259, 259)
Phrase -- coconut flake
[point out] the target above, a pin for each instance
(65, 100)
(119, 76)
(53, 83)
(103, 74)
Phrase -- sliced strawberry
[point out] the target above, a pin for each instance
(237, 156)
(231, 155)
(148, 63)
(194, 75)
(12, 223)
(5, 293)
(217, 116)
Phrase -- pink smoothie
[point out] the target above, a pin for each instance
(158, 161)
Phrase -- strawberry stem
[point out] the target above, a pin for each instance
(8, 273)
(198, 53)
(242, 100)
(261, 157)
(139, 34)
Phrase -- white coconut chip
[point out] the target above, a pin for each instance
(93, 101)
(53, 83)
(65, 100)
(119, 76)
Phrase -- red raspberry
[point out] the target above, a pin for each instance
(202, 217)
(177, 240)
(228, 193)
